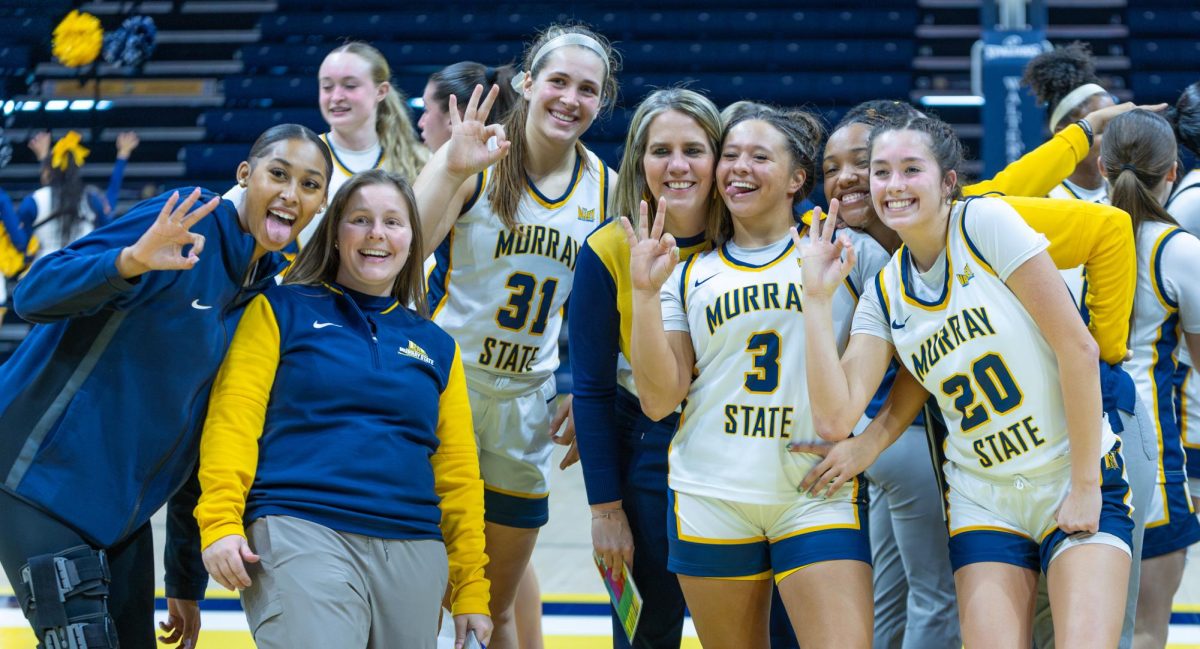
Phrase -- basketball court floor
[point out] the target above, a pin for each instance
(574, 604)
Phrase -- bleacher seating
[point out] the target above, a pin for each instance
(771, 51)
(1164, 53)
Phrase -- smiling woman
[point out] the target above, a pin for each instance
(481, 210)
(670, 153)
(369, 123)
(735, 518)
(100, 403)
(294, 504)
(1029, 454)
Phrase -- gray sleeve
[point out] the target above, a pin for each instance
(869, 317)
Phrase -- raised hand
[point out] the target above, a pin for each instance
(161, 246)
(471, 147)
(1099, 119)
(40, 145)
(652, 254)
(127, 141)
(822, 266)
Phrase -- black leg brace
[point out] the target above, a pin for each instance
(66, 599)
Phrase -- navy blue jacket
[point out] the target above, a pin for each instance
(101, 405)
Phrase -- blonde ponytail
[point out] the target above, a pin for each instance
(402, 153)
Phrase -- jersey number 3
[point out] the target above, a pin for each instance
(515, 314)
(764, 348)
(994, 380)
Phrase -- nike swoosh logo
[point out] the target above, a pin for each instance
(701, 281)
(196, 305)
(321, 325)
(900, 325)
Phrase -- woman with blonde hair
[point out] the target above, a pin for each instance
(369, 123)
(670, 156)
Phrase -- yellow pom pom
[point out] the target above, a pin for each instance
(77, 39)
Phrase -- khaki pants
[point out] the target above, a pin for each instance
(316, 587)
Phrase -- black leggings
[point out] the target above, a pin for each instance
(29, 532)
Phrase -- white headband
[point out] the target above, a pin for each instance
(562, 40)
(1072, 100)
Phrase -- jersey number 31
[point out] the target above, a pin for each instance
(515, 314)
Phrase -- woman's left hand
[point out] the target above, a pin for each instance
(182, 624)
(480, 624)
(562, 430)
(1080, 511)
(821, 262)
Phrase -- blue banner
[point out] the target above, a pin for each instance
(1013, 123)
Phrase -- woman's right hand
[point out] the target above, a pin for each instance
(1099, 119)
(127, 141)
(612, 540)
(480, 625)
(652, 254)
(226, 559)
(161, 245)
(821, 264)
(470, 149)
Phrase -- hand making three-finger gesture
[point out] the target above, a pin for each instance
(161, 246)
(652, 254)
(823, 267)
(471, 147)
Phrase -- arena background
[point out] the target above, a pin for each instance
(221, 71)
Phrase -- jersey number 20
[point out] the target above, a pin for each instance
(994, 380)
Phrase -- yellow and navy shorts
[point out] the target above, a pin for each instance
(512, 427)
(1171, 523)
(724, 539)
(1012, 519)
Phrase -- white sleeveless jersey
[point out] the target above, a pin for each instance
(500, 292)
(1163, 306)
(750, 395)
(1074, 277)
(978, 352)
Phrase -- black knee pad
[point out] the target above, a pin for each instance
(65, 597)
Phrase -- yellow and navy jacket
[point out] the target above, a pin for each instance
(599, 322)
(349, 411)
(100, 405)
(1040, 170)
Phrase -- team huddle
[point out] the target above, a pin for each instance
(932, 414)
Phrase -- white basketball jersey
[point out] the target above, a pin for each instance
(1156, 336)
(1074, 277)
(500, 292)
(750, 396)
(980, 354)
